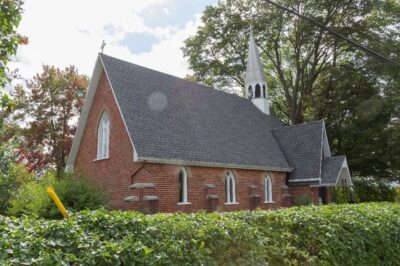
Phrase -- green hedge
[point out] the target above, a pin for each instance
(364, 234)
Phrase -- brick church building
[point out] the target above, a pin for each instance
(163, 144)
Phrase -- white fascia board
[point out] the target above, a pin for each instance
(134, 155)
(325, 149)
(304, 180)
(344, 167)
(324, 185)
(94, 82)
(325, 143)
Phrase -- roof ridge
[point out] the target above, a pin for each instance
(283, 150)
(172, 76)
(302, 124)
(185, 80)
(335, 157)
(187, 127)
(151, 69)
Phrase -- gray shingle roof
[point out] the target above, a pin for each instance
(302, 146)
(169, 118)
(331, 167)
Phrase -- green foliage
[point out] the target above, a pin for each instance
(397, 194)
(303, 200)
(58, 95)
(360, 121)
(10, 181)
(12, 175)
(76, 195)
(365, 234)
(310, 73)
(10, 17)
(365, 190)
(342, 195)
(368, 190)
(31, 198)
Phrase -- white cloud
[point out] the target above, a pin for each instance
(166, 56)
(166, 11)
(65, 32)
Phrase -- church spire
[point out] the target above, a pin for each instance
(255, 81)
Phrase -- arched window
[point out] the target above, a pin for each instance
(264, 92)
(103, 137)
(230, 188)
(183, 195)
(250, 92)
(268, 188)
(258, 91)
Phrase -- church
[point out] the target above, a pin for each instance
(158, 143)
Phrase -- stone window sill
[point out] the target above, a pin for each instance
(269, 202)
(103, 159)
(183, 203)
(231, 203)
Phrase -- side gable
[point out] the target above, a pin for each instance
(335, 171)
(98, 71)
(303, 147)
(180, 122)
(176, 121)
(306, 147)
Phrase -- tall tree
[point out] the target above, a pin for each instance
(360, 122)
(311, 74)
(295, 52)
(50, 105)
(10, 17)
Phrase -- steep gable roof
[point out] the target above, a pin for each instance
(174, 120)
(303, 146)
(333, 169)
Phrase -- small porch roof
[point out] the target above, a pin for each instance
(335, 172)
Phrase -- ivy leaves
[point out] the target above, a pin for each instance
(364, 234)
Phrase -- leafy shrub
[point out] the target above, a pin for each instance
(364, 234)
(368, 190)
(76, 195)
(345, 194)
(365, 190)
(303, 200)
(11, 178)
(11, 175)
(31, 197)
(397, 194)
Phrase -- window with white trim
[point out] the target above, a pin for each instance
(183, 191)
(268, 188)
(230, 188)
(103, 137)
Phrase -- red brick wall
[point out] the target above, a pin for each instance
(298, 191)
(113, 173)
(119, 171)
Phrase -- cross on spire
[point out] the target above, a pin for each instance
(103, 44)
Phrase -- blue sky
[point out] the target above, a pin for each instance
(173, 13)
(139, 42)
(148, 33)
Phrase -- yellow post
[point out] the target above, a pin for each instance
(57, 201)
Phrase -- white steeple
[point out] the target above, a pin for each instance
(255, 81)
